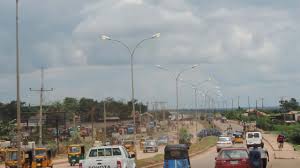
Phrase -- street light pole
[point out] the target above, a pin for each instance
(131, 52)
(197, 117)
(177, 99)
(18, 88)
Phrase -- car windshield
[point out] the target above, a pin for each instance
(152, 143)
(224, 139)
(40, 152)
(12, 155)
(233, 154)
(74, 149)
(256, 135)
(176, 154)
(253, 135)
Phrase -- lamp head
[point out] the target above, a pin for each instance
(156, 35)
(194, 66)
(104, 37)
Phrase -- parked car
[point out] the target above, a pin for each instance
(108, 156)
(254, 139)
(163, 140)
(224, 142)
(232, 157)
(150, 145)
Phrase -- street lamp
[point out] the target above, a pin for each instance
(131, 53)
(195, 88)
(177, 79)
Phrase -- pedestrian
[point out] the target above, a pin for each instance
(280, 140)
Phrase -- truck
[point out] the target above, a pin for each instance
(114, 156)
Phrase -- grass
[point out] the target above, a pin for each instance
(205, 124)
(202, 145)
(297, 148)
(148, 161)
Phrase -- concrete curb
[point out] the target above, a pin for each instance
(60, 162)
(191, 155)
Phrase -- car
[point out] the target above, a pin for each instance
(150, 145)
(163, 140)
(224, 142)
(254, 139)
(233, 157)
(108, 156)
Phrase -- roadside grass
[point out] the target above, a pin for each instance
(202, 145)
(297, 148)
(205, 124)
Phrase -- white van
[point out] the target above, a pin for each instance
(254, 139)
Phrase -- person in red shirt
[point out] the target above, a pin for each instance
(280, 140)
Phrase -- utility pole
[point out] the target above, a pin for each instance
(256, 104)
(140, 116)
(249, 103)
(93, 118)
(42, 90)
(18, 88)
(262, 103)
(57, 136)
(104, 118)
(238, 102)
(232, 104)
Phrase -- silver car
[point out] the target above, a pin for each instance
(150, 146)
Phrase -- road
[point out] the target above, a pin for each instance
(207, 159)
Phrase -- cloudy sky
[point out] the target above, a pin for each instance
(248, 48)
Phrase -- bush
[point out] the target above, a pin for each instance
(264, 123)
(292, 132)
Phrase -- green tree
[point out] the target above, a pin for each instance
(185, 137)
(71, 107)
(85, 107)
(286, 105)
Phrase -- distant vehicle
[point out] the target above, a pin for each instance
(176, 156)
(130, 130)
(238, 137)
(108, 156)
(224, 142)
(150, 145)
(223, 119)
(232, 157)
(163, 140)
(254, 139)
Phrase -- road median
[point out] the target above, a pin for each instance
(197, 148)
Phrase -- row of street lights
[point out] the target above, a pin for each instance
(131, 53)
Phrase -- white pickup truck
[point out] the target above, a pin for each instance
(108, 157)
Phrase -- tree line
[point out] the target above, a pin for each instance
(85, 108)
